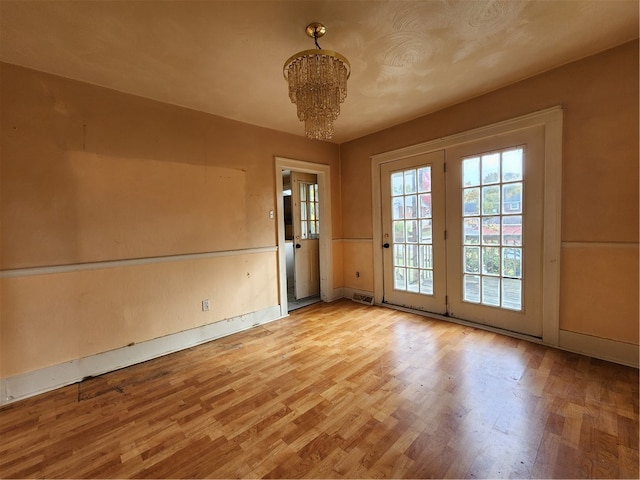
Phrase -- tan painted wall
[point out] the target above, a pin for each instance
(358, 253)
(90, 175)
(93, 175)
(50, 319)
(599, 188)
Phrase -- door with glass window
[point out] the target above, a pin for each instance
(413, 232)
(468, 243)
(495, 190)
(306, 234)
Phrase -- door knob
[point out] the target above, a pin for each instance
(386, 245)
(298, 245)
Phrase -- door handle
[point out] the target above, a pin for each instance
(298, 245)
(386, 245)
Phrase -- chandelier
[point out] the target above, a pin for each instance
(317, 85)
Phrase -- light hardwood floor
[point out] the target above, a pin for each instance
(337, 390)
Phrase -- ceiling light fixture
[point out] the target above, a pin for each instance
(317, 85)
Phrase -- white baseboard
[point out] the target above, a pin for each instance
(602, 348)
(610, 350)
(39, 381)
(46, 379)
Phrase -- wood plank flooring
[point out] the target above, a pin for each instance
(337, 390)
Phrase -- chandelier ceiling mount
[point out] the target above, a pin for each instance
(316, 30)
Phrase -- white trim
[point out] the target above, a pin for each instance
(466, 323)
(551, 119)
(376, 212)
(602, 348)
(33, 383)
(525, 121)
(337, 294)
(326, 241)
(551, 245)
(39, 381)
(26, 272)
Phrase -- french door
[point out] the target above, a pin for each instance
(413, 215)
(462, 231)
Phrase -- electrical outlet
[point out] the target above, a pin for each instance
(357, 274)
(205, 305)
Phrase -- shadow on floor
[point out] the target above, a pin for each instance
(293, 304)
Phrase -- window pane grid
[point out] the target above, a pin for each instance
(411, 212)
(492, 226)
(309, 210)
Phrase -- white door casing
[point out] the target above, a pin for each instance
(323, 173)
(550, 123)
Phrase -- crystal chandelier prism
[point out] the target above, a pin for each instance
(317, 85)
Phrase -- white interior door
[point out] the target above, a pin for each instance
(413, 219)
(306, 234)
(468, 243)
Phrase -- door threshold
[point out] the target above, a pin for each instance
(466, 323)
(303, 302)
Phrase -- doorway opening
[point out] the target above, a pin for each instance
(305, 260)
(302, 235)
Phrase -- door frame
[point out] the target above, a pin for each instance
(551, 120)
(323, 173)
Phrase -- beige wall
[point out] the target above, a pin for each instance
(93, 175)
(599, 267)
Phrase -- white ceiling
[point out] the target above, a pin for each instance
(408, 58)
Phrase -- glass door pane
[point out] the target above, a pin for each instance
(413, 242)
(309, 211)
(491, 216)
